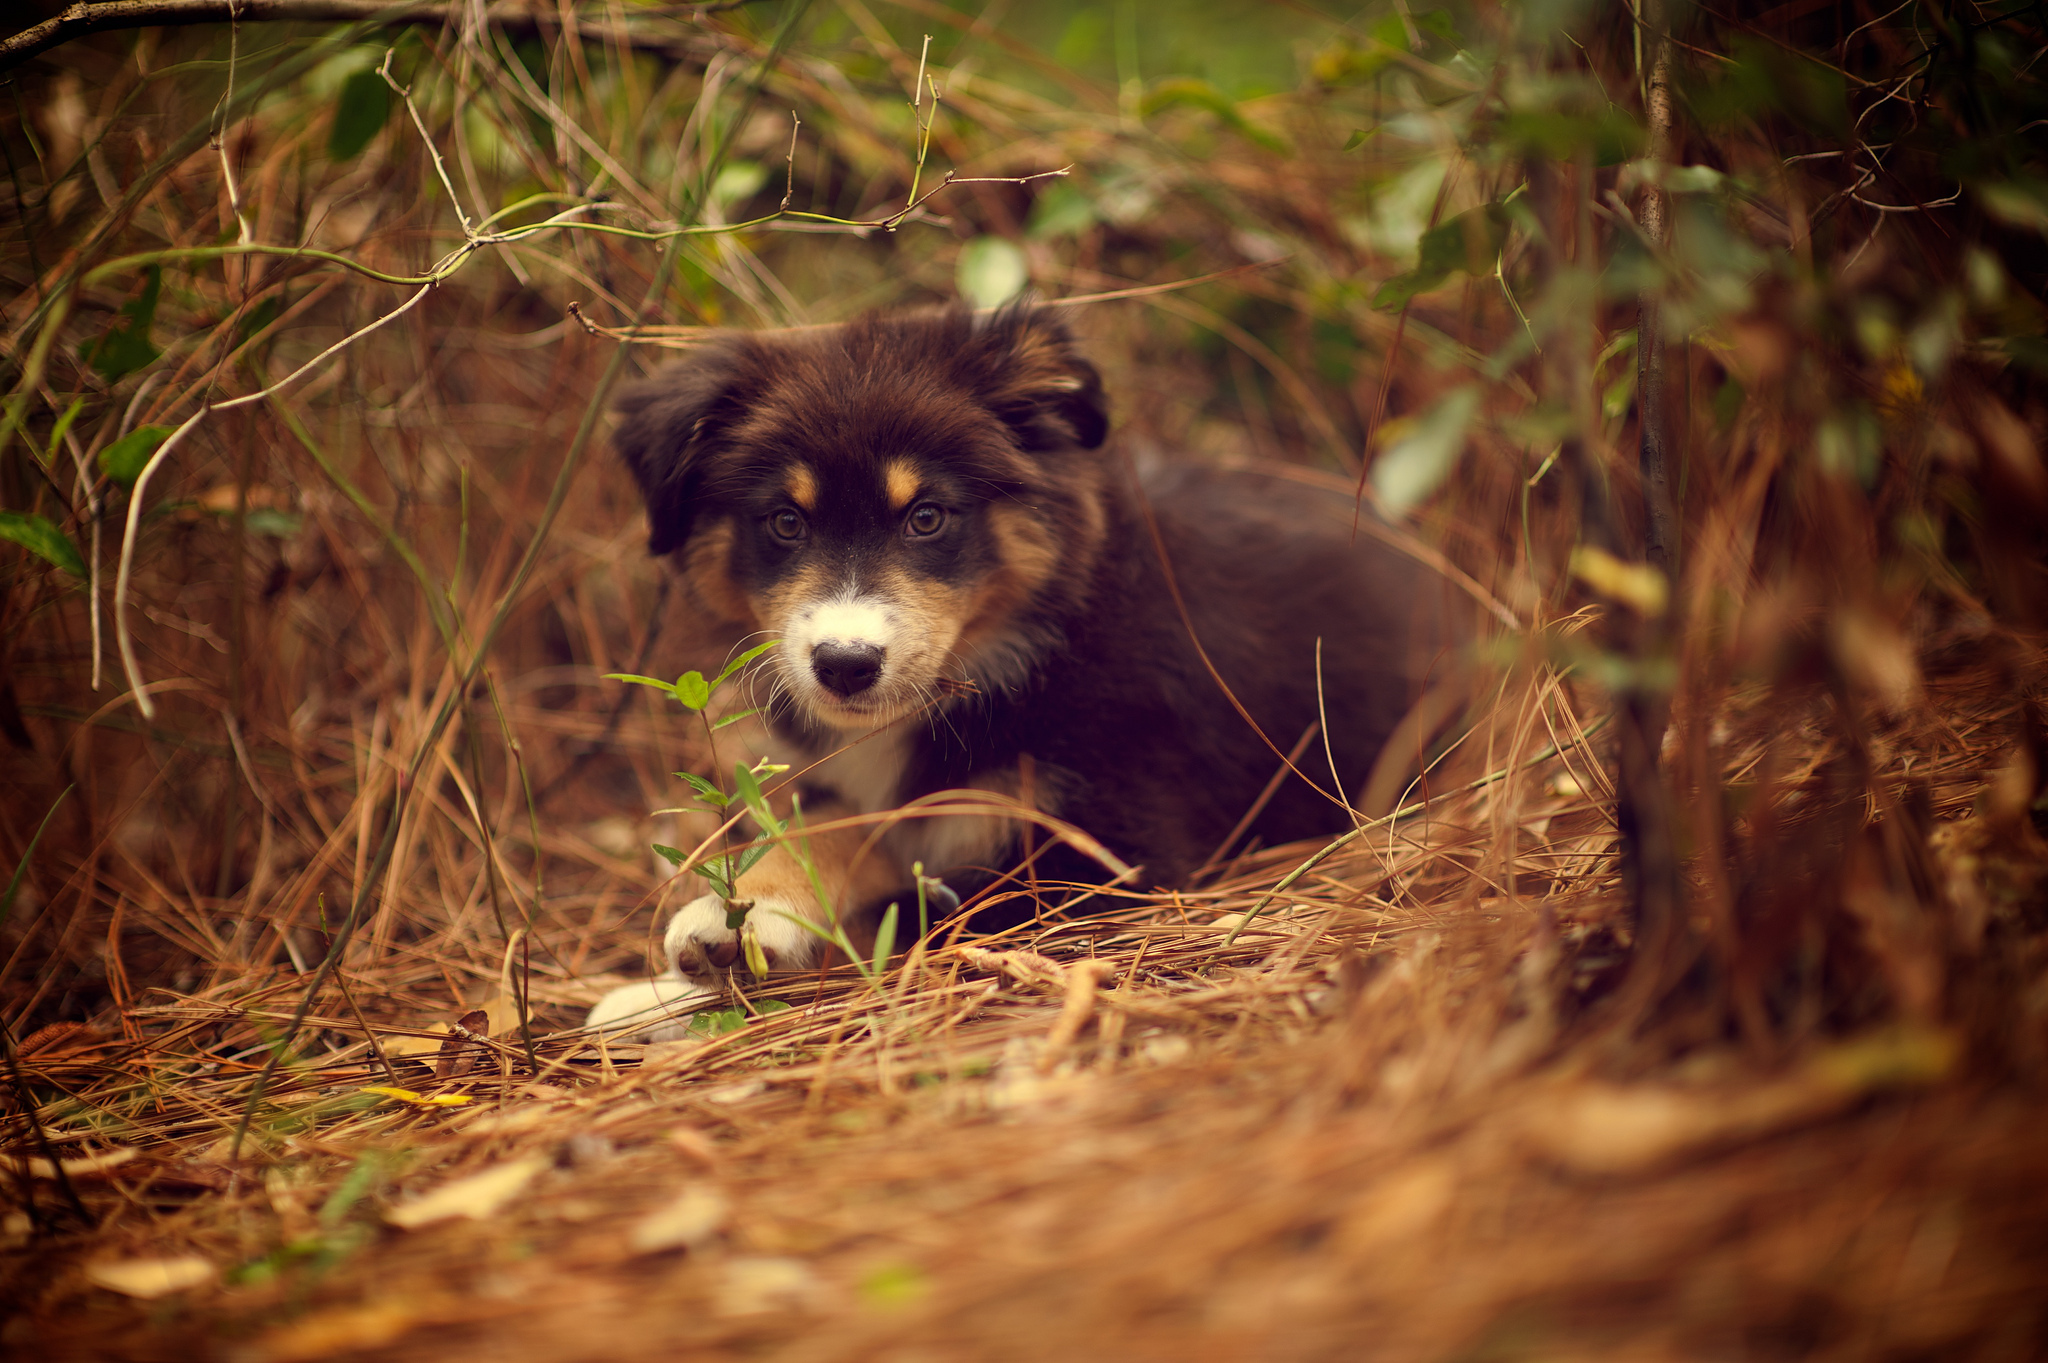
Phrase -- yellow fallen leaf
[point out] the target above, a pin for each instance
(150, 1278)
(1636, 585)
(419, 1100)
(474, 1197)
(403, 1046)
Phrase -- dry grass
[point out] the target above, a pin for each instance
(1430, 1101)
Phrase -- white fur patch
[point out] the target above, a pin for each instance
(868, 774)
(662, 1004)
(700, 925)
(845, 620)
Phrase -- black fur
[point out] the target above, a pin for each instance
(1093, 673)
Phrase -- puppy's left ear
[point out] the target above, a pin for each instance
(1032, 376)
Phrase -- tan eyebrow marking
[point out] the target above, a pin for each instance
(802, 486)
(900, 480)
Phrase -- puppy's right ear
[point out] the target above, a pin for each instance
(669, 425)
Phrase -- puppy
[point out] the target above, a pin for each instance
(972, 596)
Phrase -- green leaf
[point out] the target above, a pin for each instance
(706, 791)
(258, 317)
(885, 939)
(43, 539)
(671, 855)
(1179, 90)
(1470, 242)
(1061, 211)
(734, 719)
(124, 460)
(692, 690)
(768, 1007)
(1358, 138)
(657, 683)
(1611, 135)
(359, 114)
(1423, 452)
(1439, 25)
(749, 788)
(737, 663)
(744, 861)
(718, 1022)
(125, 349)
(991, 271)
(63, 426)
(265, 520)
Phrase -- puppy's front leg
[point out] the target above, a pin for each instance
(699, 944)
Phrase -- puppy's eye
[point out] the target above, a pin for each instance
(924, 520)
(787, 525)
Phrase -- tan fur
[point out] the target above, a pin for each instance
(1030, 556)
(900, 480)
(774, 608)
(803, 486)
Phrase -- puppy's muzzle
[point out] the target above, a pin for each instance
(846, 670)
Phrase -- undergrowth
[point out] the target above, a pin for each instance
(1691, 1002)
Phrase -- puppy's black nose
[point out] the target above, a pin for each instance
(846, 669)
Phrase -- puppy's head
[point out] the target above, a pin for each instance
(898, 500)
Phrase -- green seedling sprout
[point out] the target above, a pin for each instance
(723, 871)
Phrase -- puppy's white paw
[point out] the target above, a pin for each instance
(700, 945)
(660, 1007)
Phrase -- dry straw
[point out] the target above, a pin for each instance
(305, 909)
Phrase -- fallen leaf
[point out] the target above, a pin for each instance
(461, 1051)
(475, 1197)
(688, 1222)
(150, 1278)
(403, 1046)
(84, 1167)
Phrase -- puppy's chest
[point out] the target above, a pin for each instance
(867, 777)
(893, 769)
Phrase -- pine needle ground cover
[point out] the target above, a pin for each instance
(1691, 1003)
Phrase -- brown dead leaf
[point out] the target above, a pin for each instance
(464, 1046)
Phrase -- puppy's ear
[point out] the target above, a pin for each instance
(669, 423)
(1030, 374)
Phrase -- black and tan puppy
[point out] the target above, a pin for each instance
(969, 596)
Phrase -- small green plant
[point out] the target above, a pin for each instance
(694, 693)
(723, 870)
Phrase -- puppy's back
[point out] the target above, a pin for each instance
(1274, 579)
